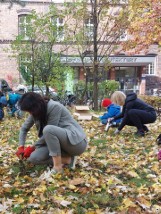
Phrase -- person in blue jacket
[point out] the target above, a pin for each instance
(135, 112)
(12, 101)
(3, 103)
(112, 111)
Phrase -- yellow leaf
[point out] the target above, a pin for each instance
(42, 188)
(20, 200)
(76, 181)
(127, 202)
(157, 188)
(133, 174)
(33, 212)
(71, 186)
(98, 189)
(143, 203)
(4, 140)
(27, 178)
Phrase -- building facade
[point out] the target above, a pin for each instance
(130, 70)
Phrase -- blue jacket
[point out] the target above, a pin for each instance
(3, 102)
(13, 98)
(112, 111)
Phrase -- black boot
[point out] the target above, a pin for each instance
(158, 140)
(140, 133)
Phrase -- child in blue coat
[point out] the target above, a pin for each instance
(112, 111)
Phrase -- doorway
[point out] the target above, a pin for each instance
(128, 78)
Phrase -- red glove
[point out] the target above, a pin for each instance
(28, 151)
(20, 152)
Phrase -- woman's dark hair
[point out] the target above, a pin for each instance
(36, 105)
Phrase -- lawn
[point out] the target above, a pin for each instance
(117, 174)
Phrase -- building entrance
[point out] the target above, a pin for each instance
(128, 78)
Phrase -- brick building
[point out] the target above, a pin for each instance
(128, 70)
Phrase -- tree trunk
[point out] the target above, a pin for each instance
(95, 64)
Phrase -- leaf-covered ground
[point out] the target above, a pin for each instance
(117, 174)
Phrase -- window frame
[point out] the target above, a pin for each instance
(89, 26)
(24, 25)
(60, 34)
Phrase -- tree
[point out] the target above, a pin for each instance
(38, 61)
(144, 24)
(97, 36)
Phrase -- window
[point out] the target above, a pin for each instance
(23, 26)
(89, 25)
(149, 69)
(59, 23)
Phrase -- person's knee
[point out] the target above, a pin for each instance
(48, 130)
(34, 159)
(38, 161)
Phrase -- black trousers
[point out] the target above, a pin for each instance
(137, 117)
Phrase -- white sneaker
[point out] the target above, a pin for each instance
(45, 175)
(48, 175)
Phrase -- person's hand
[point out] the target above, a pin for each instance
(116, 132)
(28, 151)
(110, 119)
(20, 152)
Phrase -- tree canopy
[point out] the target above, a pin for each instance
(144, 24)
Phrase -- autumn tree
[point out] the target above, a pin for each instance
(96, 29)
(144, 24)
(35, 49)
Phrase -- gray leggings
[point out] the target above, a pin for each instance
(57, 143)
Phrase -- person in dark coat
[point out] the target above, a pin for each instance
(135, 112)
